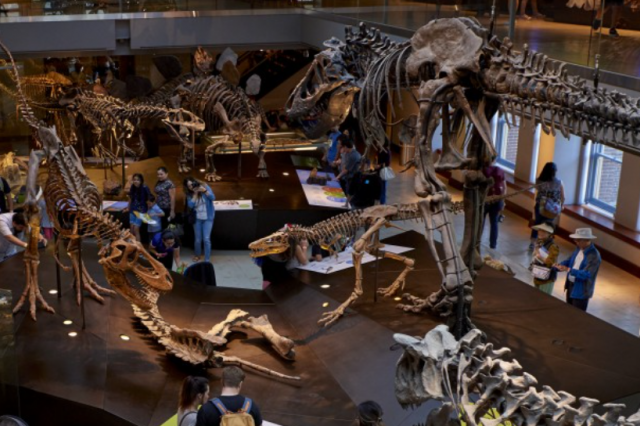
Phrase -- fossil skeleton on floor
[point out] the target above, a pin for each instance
(332, 233)
(74, 204)
(481, 385)
(462, 77)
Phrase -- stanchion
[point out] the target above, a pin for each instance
(81, 273)
(240, 160)
(56, 252)
(124, 178)
(377, 253)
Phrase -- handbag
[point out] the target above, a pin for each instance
(549, 208)
(387, 173)
(177, 229)
(192, 216)
(540, 272)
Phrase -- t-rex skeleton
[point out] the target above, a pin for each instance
(74, 204)
(462, 77)
(480, 385)
(330, 234)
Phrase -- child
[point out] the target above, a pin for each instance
(138, 196)
(155, 213)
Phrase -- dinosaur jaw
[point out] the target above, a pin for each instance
(276, 243)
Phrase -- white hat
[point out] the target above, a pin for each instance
(583, 234)
(543, 227)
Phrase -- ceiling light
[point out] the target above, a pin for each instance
(53, 291)
(67, 322)
(72, 334)
(325, 286)
(125, 337)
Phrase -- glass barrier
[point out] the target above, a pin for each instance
(9, 385)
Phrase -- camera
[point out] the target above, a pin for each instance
(195, 185)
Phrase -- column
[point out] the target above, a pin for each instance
(628, 205)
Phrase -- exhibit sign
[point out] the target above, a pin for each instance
(344, 260)
(221, 205)
(328, 195)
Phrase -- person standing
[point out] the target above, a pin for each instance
(581, 268)
(139, 195)
(549, 199)
(193, 393)
(494, 209)
(545, 255)
(334, 150)
(230, 400)
(165, 196)
(383, 161)
(369, 414)
(6, 202)
(200, 200)
(156, 214)
(350, 163)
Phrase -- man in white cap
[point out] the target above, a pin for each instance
(582, 269)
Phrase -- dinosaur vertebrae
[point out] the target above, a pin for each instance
(479, 380)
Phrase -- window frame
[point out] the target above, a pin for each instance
(594, 156)
(501, 136)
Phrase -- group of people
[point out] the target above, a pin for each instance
(159, 211)
(361, 179)
(195, 408)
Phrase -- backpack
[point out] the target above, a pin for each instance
(240, 418)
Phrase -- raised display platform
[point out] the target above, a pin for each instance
(98, 376)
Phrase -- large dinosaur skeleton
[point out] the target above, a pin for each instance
(481, 385)
(462, 77)
(331, 235)
(74, 204)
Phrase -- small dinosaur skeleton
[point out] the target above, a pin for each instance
(331, 233)
(475, 380)
(74, 204)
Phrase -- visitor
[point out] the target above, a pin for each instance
(318, 253)
(333, 151)
(383, 161)
(582, 269)
(369, 414)
(193, 393)
(545, 255)
(166, 196)
(200, 199)
(46, 224)
(230, 400)
(12, 226)
(549, 199)
(337, 162)
(523, 10)
(350, 163)
(166, 249)
(365, 189)
(139, 195)
(300, 254)
(494, 209)
(156, 214)
(616, 8)
(6, 202)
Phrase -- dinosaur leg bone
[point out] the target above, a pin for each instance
(79, 270)
(359, 248)
(262, 165)
(209, 153)
(31, 288)
(398, 284)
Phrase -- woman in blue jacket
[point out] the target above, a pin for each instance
(200, 199)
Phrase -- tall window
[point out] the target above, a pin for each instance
(604, 177)
(507, 142)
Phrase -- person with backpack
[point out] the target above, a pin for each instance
(193, 393)
(230, 408)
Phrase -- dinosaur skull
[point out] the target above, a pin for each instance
(276, 243)
(449, 48)
(128, 255)
(322, 100)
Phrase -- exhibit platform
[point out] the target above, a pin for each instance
(97, 375)
(278, 200)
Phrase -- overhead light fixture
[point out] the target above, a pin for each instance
(67, 322)
(306, 148)
(325, 286)
(325, 305)
(125, 337)
(53, 291)
(72, 334)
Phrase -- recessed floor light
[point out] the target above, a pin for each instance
(72, 334)
(397, 299)
(325, 286)
(285, 173)
(53, 291)
(125, 337)
(67, 322)
(325, 305)
(202, 170)
(126, 167)
(272, 190)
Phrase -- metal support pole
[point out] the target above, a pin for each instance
(239, 160)
(513, 4)
(376, 241)
(193, 151)
(56, 251)
(81, 268)
(124, 178)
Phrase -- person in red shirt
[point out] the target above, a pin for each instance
(494, 210)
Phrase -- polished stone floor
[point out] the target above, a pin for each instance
(616, 297)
